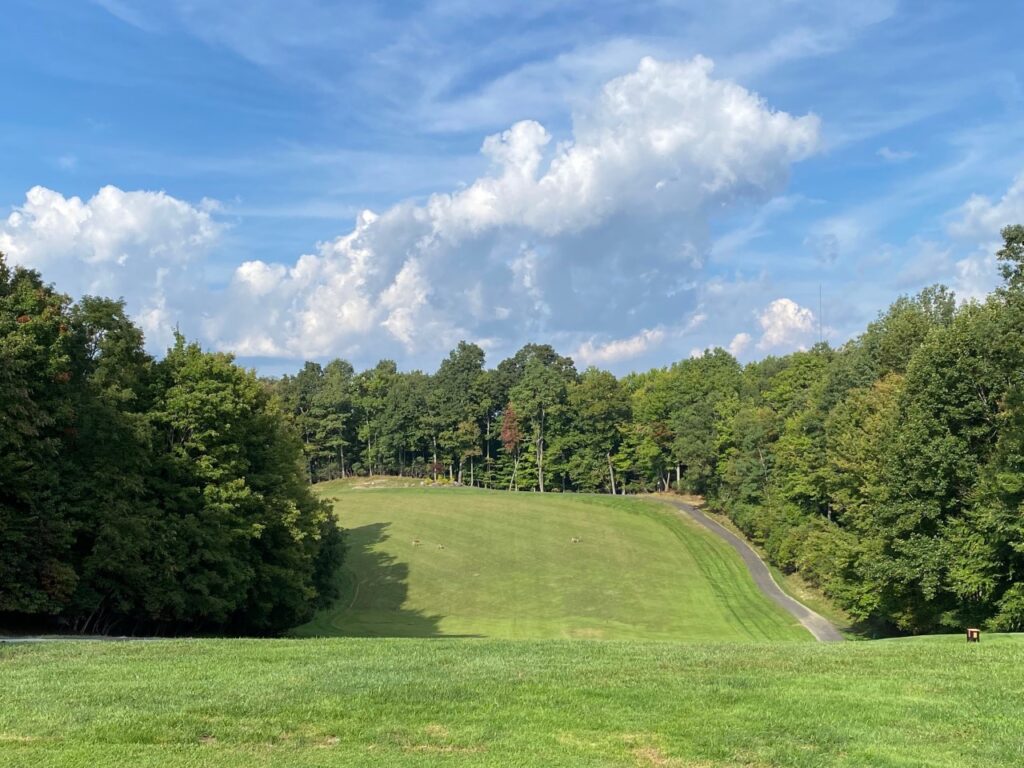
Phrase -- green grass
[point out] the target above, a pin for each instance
(641, 573)
(502, 565)
(431, 702)
(793, 584)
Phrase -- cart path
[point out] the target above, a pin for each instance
(822, 629)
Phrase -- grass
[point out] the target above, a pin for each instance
(792, 584)
(508, 568)
(428, 562)
(433, 702)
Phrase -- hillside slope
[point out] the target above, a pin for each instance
(456, 561)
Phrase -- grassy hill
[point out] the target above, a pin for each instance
(509, 568)
(448, 702)
(428, 562)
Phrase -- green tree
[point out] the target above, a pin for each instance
(539, 397)
(598, 410)
(37, 419)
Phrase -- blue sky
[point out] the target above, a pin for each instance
(663, 176)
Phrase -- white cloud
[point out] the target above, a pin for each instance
(145, 246)
(697, 319)
(785, 324)
(894, 155)
(739, 344)
(502, 60)
(981, 217)
(978, 223)
(667, 137)
(259, 278)
(610, 218)
(587, 238)
(618, 350)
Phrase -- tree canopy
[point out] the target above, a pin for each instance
(888, 471)
(144, 495)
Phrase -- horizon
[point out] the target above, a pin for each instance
(631, 190)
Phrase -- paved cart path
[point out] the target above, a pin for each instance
(822, 629)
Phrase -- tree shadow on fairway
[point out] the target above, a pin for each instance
(372, 602)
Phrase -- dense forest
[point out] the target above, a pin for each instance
(145, 496)
(173, 494)
(889, 471)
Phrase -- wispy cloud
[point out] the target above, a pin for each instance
(894, 155)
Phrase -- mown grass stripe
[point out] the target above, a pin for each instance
(443, 562)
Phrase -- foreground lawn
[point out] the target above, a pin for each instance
(427, 562)
(458, 702)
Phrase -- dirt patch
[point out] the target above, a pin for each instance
(647, 754)
(655, 757)
(444, 749)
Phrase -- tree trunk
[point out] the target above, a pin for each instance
(679, 483)
(512, 480)
(433, 467)
(341, 449)
(487, 452)
(540, 464)
(472, 480)
(460, 471)
(611, 473)
(540, 453)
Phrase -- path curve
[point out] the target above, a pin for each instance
(822, 629)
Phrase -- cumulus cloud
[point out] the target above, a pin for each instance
(145, 246)
(785, 324)
(617, 350)
(739, 344)
(981, 216)
(579, 239)
(565, 237)
(977, 224)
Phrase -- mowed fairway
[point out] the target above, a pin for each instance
(547, 703)
(430, 562)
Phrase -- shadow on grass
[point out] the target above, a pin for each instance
(371, 604)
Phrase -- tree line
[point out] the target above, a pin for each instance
(139, 495)
(889, 471)
(173, 495)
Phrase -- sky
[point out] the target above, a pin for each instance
(631, 182)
